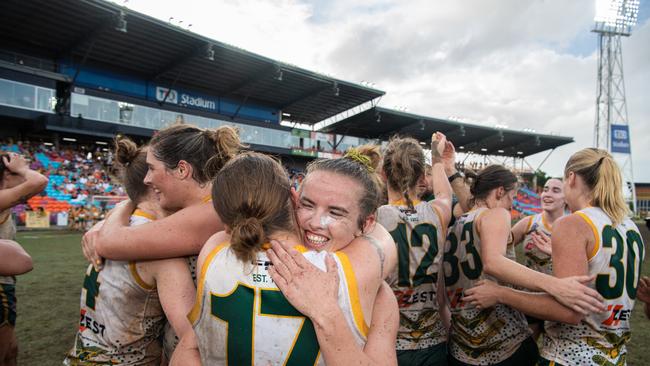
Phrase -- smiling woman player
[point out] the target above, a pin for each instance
(535, 233)
(240, 318)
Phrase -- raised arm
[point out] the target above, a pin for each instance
(180, 234)
(14, 260)
(566, 289)
(442, 152)
(29, 183)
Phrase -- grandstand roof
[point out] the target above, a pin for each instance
(87, 30)
(381, 123)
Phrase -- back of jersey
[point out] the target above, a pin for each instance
(241, 317)
(419, 237)
(121, 316)
(616, 262)
(478, 337)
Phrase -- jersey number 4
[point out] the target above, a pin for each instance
(626, 263)
(238, 310)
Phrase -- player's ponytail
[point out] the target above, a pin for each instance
(603, 178)
(251, 195)
(132, 162)
(488, 179)
(404, 165)
(227, 145)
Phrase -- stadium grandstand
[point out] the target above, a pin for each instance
(73, 74)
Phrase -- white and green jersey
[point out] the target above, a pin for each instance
(535, 258)
(616, 259)
(477, 337)
(8, 232)
(419, 237)
(121, 316)
(241, 318)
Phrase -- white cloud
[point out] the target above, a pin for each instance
(507, 62)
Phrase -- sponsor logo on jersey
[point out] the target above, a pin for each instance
(455, 298)
(86, 322)
(617, 313)
(409, 297)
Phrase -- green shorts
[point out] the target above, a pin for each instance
(526, 355)
(434, 355)
(7, 305)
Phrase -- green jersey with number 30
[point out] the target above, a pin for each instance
(616, 260)
(241, 318)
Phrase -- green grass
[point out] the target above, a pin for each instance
(48, 300)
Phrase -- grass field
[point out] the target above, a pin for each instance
(48, 300)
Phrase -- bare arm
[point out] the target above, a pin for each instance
(180, 234)
(187, 351)
(519, 230)
(176, 291)
(443, 308)
(14, 260)
(442, 152)
(494, 229)
(643, 293)
(33, 182)
(487, 293)
(387, 245)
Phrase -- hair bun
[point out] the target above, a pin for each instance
(249, 233)
(355, 155)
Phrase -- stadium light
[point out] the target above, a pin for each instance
(70, 139)
(101, 143)
(500, 151)
(616, 16)
(120, 24)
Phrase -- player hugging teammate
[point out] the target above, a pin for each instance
(297, 277)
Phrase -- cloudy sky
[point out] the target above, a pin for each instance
(524, 64)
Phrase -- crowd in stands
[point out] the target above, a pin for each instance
(77, 174)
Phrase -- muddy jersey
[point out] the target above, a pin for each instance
(241, 318)
(170, 339)
(121, 316)
(7, 231)
(600, 339)
(535, 259)
(419, 236)
(477, 337)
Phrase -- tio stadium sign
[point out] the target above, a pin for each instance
(184, 99)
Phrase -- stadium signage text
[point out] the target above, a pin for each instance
(620, 136)
(184, 99)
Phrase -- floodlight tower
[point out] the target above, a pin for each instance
(614, 19)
